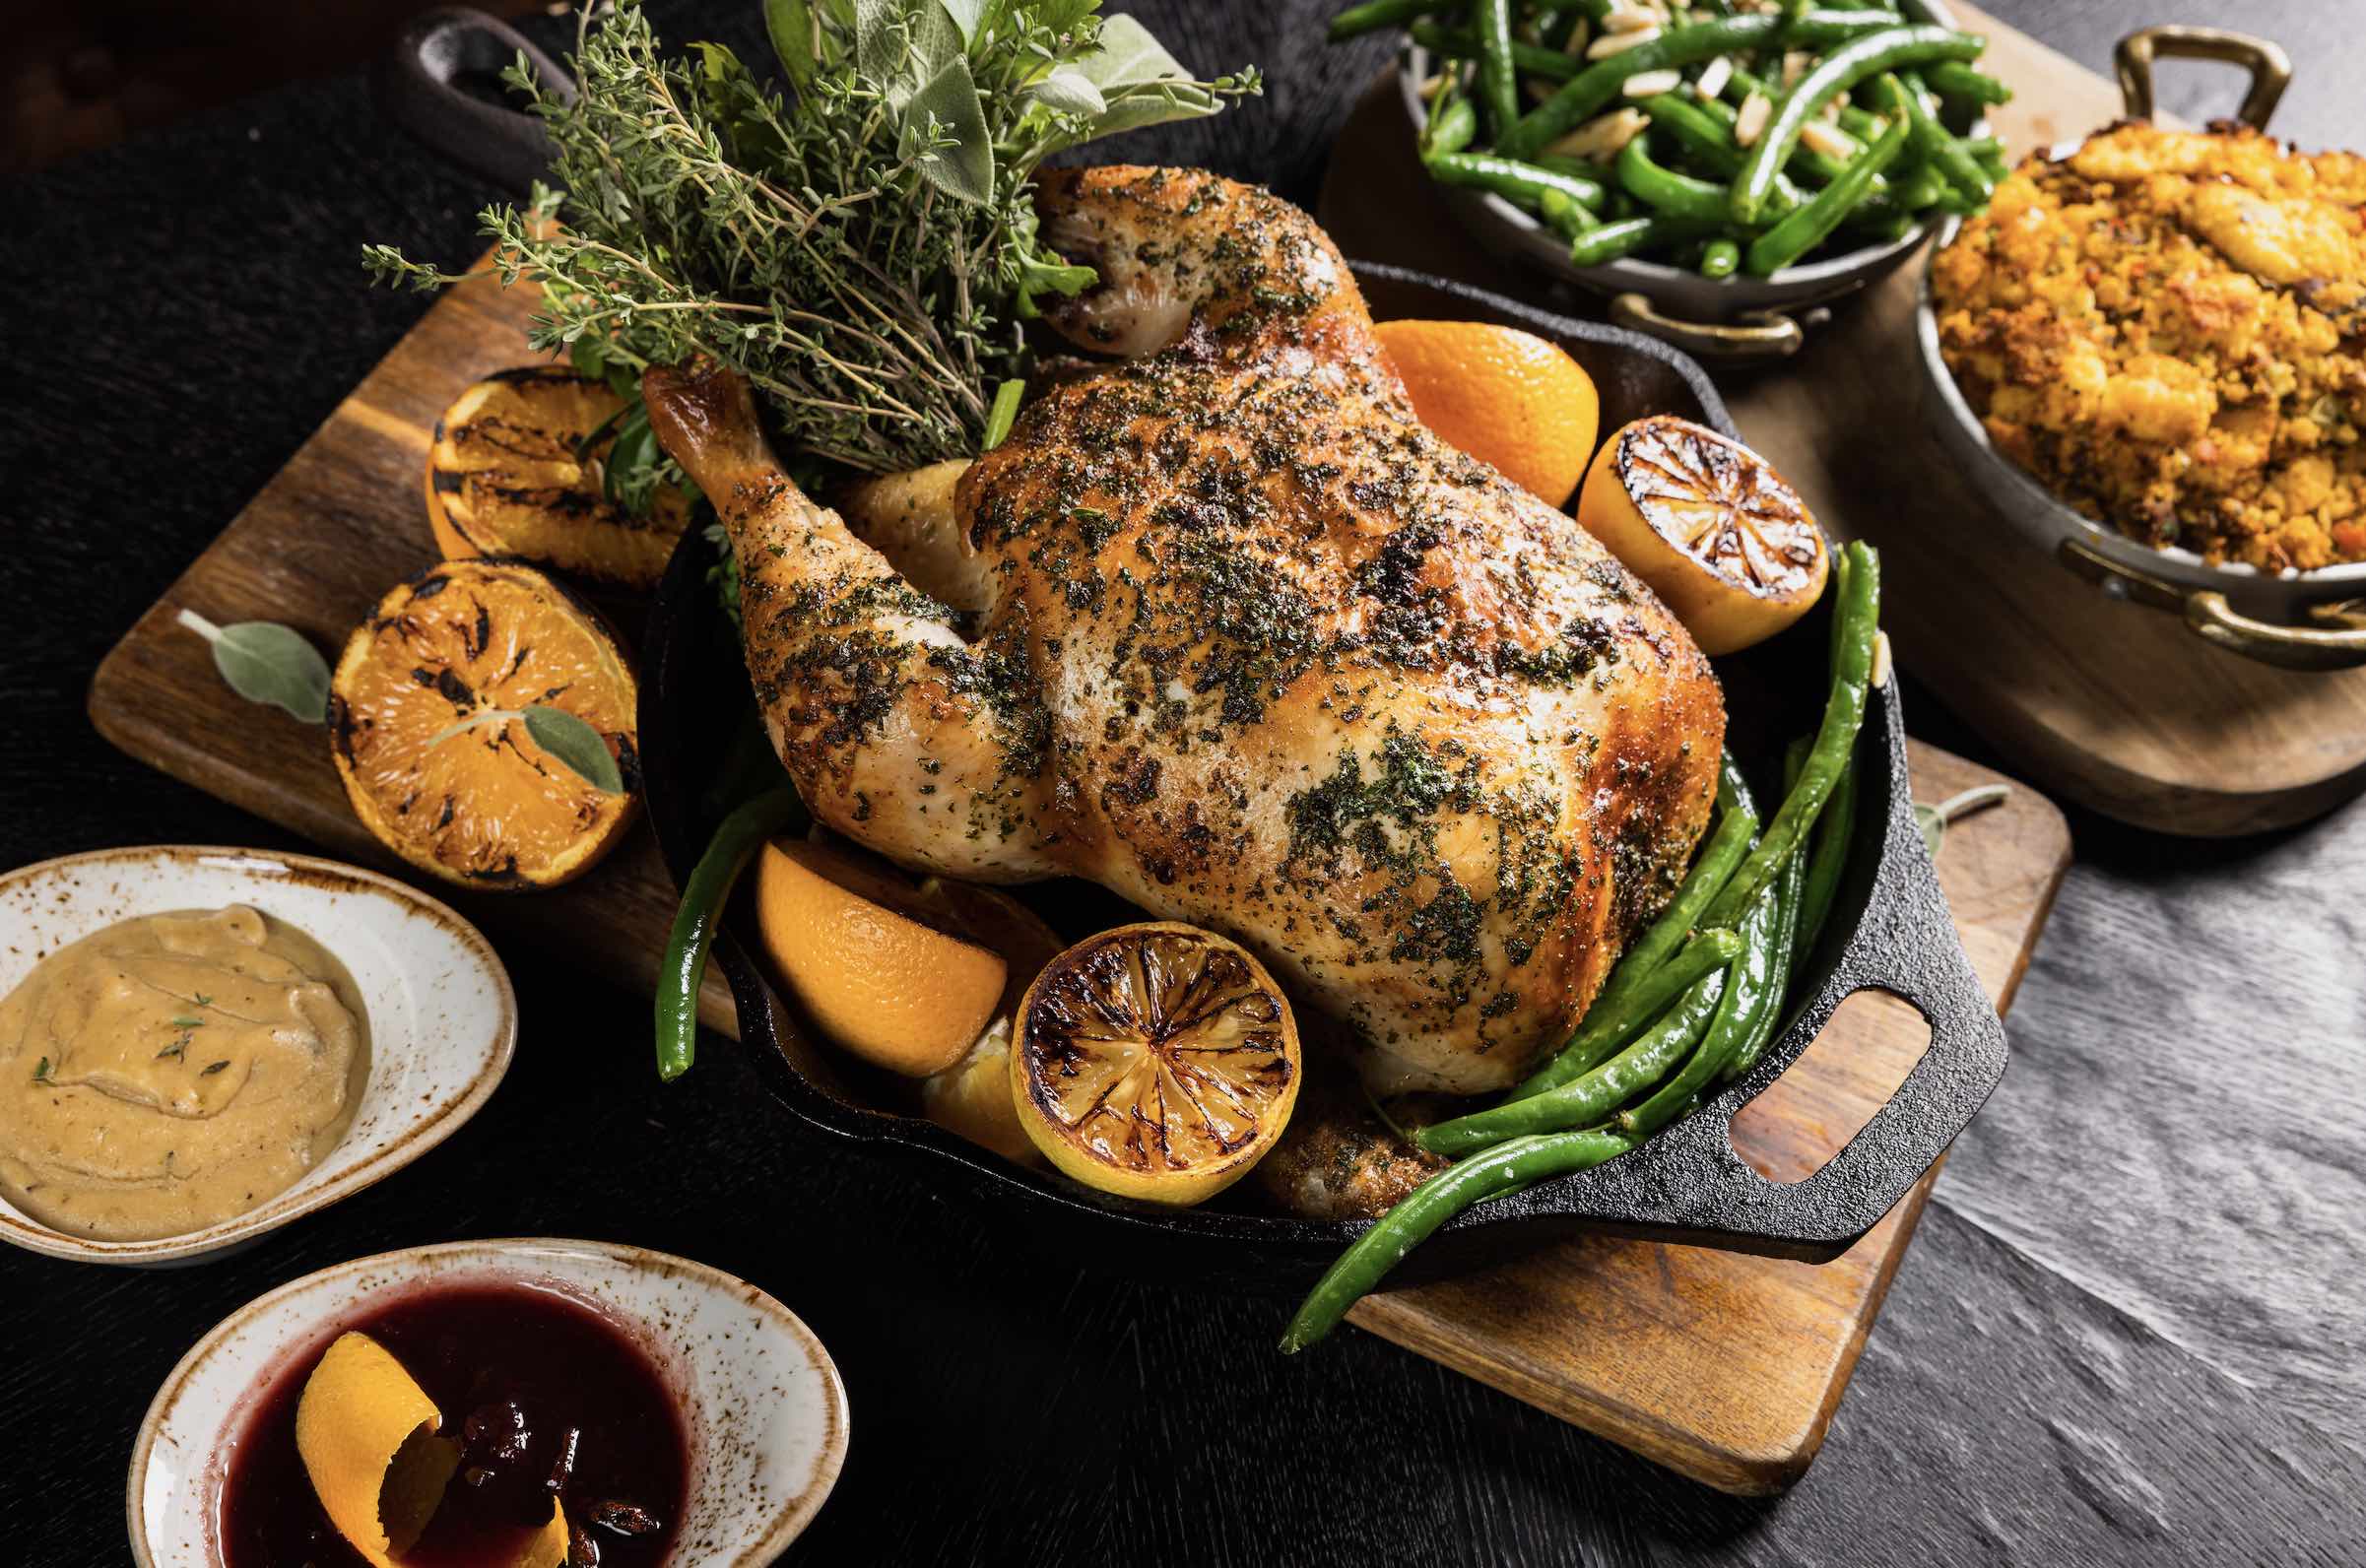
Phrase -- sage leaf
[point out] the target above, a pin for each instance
(575, 744)
(1934, 820)
(964, 169)
(1071, 92)
(795, 29)
(265, 662)
(966, 15)
(1141, 84)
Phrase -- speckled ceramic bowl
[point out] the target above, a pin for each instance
(442, 1020)
(762, 1404)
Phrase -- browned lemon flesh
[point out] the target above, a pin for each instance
(1157, 1062)
(1724, 541)
(485, 806)
(505, 479)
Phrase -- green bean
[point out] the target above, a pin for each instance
(1837, 72)
(1423, 1210)
(1954, 79)
(1563, 215)
(1934, 142)
(703, 896)
(1650, 995)
(1452, 122)
(1753, 989)
(1627, 236)
(1828, 858)
(1528, 59)
(1859, 608)
(1787, 902)
(1809, 227)
(1587, 1098)
(1593, 88)
(1498, 78)
(1525, 183)
(1696, 129)
(1665, 191)
(1720, 258)
(1732, 787)
(1374, 14)
(1636, 992)
(1808, 163)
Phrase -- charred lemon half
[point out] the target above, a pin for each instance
(425, 725)
(1156, 1062)
(511, 472)
(1709, 525)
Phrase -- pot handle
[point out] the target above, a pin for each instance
(1758, 335)
(2337, 640)
(425, 87)
(2270, 67)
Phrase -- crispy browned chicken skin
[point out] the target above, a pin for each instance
(1262, 654)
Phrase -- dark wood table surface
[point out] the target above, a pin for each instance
(2133, 1328)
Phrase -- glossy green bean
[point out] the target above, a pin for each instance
(1788, 902)
(1528, 59)
(1595, 88)
(1563, 215)
(1828, 858)
(1753, 988)
(1498, 78)
(1837, 72)
(1807, 227)
(1665, 191)
(1652, 993)
(1932, 142)
(1373, 15)
(1954, 79)
(1523, 183)
(1859, 608)
(1696, 128)
(1423, 1210)
(1453, 123)
(703, 895)
(1627, 236)
(1720, 258)
(1587, 1098)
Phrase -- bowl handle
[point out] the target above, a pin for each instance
(422, 85)
(2270, 67)
(1758, 335)
(2337, 640)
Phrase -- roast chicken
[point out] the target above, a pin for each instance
(1252, 648)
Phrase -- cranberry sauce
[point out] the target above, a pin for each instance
(544, 1397)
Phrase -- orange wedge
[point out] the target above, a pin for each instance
(1709, 525)
(881, 973)
(505, 479)
(973, 1098)
(1157, 1062)
(431, 764)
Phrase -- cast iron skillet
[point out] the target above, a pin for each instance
(1889, 928)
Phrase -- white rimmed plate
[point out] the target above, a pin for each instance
(442, 1020)
(760, 1399)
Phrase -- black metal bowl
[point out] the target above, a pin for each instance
(1889, 930)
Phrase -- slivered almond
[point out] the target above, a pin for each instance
(1794, 65)
(1600, 137)
(1610, 43)
(1712, 81)
(1651, 84)
(1829, 140)
(1630, 19)
(1749, 121)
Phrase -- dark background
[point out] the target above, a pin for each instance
(2130, 1328)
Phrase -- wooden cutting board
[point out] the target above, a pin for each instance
(1722, 1366)
(2106, 703)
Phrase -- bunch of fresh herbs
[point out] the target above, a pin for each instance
(863, 249)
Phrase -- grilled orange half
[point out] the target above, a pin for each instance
(481, 805)
(503, 478)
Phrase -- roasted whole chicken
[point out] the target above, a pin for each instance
(1253, 649)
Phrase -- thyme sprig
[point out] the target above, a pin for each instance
(865, 252)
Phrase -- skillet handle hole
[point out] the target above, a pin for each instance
(1825, 1098)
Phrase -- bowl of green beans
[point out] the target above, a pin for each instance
(1717, 169)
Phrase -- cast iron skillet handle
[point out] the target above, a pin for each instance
(420, 88)
(2270, 67)
(1687, 1184)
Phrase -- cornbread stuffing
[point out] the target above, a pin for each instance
(2166, 328)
